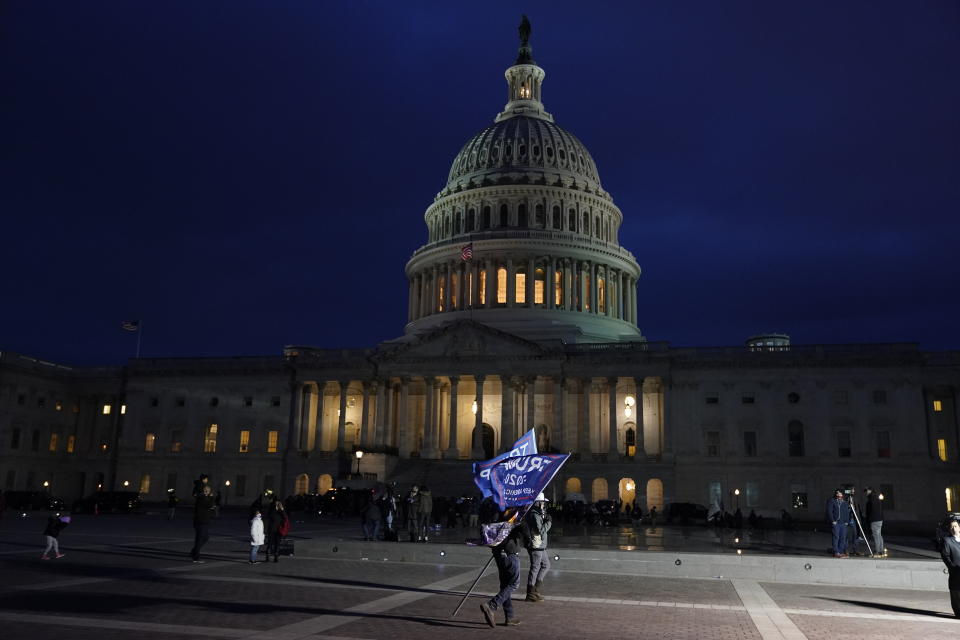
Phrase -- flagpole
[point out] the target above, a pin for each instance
(470, 590)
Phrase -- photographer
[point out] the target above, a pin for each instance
(875, 518)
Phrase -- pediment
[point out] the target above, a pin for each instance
(461, 339)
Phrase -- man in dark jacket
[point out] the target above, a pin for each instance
(202, 513)
(838, 515)
(424, 514)
(875, 518)
(507, 556)
(538, 523)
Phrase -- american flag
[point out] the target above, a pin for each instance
(130, 325)
(466, 252)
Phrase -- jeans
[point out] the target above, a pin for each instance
(273, 544)
(508, 565)
(371, 528)
(539, 565)
(254, 548)
(52, 544)
(877, 536)
(200, 537)
(839, 537)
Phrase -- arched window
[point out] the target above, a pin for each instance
(557, 218)
(586, 292)
(324, 483)
(630, 439)
(486, 217)
(655, 494)
(573, 486)
(596, 226)
(446, 227)
(457, 222)
(522, 215)
(627, 491)
(539, 282)
(585, 229)
(501, 285)
(540, 221)
(302, 485)
(558, 287)
(601, 295)
(572, 226)
(504, 215)
(471, 220)
(599, 489)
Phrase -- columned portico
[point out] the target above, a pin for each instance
(453, 451)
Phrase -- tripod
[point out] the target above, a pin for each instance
(853, 510)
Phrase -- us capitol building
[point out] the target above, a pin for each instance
(522, 314)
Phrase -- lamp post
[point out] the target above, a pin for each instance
(226, 493)
(736, 493)
(359, 455)
(126, 483)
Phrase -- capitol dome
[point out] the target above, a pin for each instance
(523, 236)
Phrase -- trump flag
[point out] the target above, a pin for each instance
(518, 480)
(525, 446)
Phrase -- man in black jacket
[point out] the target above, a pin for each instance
(875, 518)
(507, 556)
(202, 513)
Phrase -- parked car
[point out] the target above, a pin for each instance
(32, 500)
(685, 513)
(109, 502)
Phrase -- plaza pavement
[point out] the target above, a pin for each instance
(129, 577)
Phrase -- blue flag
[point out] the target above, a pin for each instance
(517, 481)
(525, 446)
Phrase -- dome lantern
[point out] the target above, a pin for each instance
(524, 81)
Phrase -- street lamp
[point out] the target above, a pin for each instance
(359, 455)
(226, 494)
(126, 483)
(736, 492)
(46, 484)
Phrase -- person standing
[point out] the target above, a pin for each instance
(371, 517)
(424, 514)
(838, 515)
(412, 508)
(507, 556)
(202, 513)
(875, 518)
(538, 523)
(256, 536)
(55, 524)
(951, 557)
(276, 522)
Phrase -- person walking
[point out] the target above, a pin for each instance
(202, 513)
(424, 514)
(276, 523)
(411, 509)
(55, 524)
(838, 515)
(371, 517)
(256, 536)
(538, 523)
(172, 501)
(875, 518)
(507, 556)
(951, 557)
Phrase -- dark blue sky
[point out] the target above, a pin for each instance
(244, 175)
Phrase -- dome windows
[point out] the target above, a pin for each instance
(563, 155)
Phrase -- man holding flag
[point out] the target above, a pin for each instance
(515, 480)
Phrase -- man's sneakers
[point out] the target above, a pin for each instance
(60, 555)
(488, 615)
(532, 597)
(511, 622)
(44, 557)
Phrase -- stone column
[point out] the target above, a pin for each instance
(428, 399)
(491, 285)
(583, 431)
(424, 294)
(365, 415)
(633, 300)
(531, 280)
(477, 451)
(641, 453)
(566, 303)
(558, 441)
(666, 432)
(453, 450)
(303, 420)
(613, 450)
(295, 423)
(434, 290)
(508, 433)
(319, 433)
(381, 412)
(531, 384)
(594, 288)
(511, 284)
(583, 297)
(550, 287)
(475, 285)
(448, 282)
(611, 295)
(342, 417)
(403, 423)
(462, 294)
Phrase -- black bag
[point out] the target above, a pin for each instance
(286, 547)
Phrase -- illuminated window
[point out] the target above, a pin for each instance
(501, 285)
(942, 449)
(539, 279)
(558, 288)
(521, 287)
(469, 290)
(145, 483)
(71, 443)
(106, 409)
(601, 296)
(176, 441)
(483, 287)
(150, 442)
(949, 491)
(273, 437)
(210, 439)
(441, 285)
(53, 441)
(454, 288)
(123, 409)
(586, 292)
(937, 406)
(244, 441)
